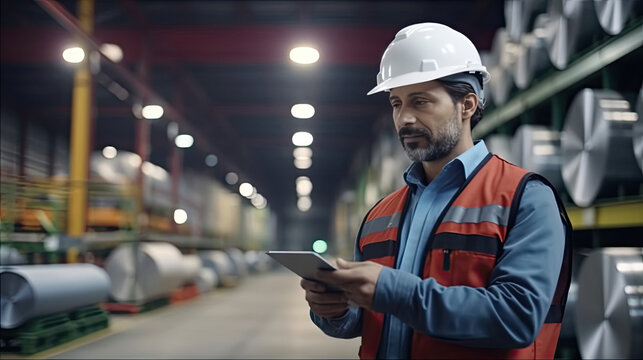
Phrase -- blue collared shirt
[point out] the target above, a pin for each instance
(506, 314)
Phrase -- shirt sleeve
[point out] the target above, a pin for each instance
(510, 311)
(345, 327)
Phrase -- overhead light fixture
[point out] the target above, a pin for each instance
(304, 203)
(112, 52)
(320, 246)
(134, 160)
(304, 187)
(231, 178)
(302, 152)
(246, 189)
(180, 216)
(152, 112)
(211, 160)
(302, 111)
(184, 141)
(302, 138)
(304, 55)
(303, 164)
(74, 55)
(259, 202)
(109, 152)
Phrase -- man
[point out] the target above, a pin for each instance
(472, 257)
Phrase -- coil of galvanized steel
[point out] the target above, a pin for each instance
(220, 263)
(144, 271)
(637, 140)
(191, 268)
(29, 291)
(501, 145)
(572, 24)
(11, 256)
(206, 280)
(537, 148)
(596, 143)
(613, 14)
(239, 261)
(502, 57)
(520, 14)
(609, 316)
(533, 58)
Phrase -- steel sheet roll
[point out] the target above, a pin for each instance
(537, 148)
(637, 140)
(519, 15)
(500, 144)
(28, 291)
(191, 268)
(144, 271)
(609, 317)
(572, 25)
(11, 256)
(220, 262)
(533, 58)
(501, 60)
(597, 145)
(613, 14)
(206, 280)
(239, 261)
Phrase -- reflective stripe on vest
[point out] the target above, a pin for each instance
(469, 234)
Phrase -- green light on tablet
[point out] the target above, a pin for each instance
(320, 246)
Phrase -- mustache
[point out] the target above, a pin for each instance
(413, 131)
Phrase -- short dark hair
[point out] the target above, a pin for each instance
(457, 91)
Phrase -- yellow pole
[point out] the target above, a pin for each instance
(80, 133)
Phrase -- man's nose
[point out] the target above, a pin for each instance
(406, 117)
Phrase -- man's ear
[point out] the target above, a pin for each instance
(469, 105)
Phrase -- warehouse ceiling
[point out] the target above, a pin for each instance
(223, 67)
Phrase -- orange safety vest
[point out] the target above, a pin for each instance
(463, 250)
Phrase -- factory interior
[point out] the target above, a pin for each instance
(153, 151)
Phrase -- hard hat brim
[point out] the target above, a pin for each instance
(420, 77)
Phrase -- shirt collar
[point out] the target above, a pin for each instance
(469, 160)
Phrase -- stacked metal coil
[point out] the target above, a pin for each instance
(221, 264)
(572, 24)
(239, 261)
(609, 316)
(537, 148)
(144, 271)
(501, 145)
(206, 280)
(597, 150)
(28, 291)
(520, 14)
(191, 268)
(613, 14)
(638, 130)
(500, 62)
(533, 58)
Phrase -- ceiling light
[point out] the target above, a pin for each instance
(304, 187)
(304, 55)
(320, 246)
(112, 52)
(184, 141)
(231, 178)
(302, 138)
(303, 164)
(302, 178)
(134, 160)
(304, 203)
(109, 152)
(211, 160)
(302, 111)
(152, 112)
(259, 202)
(74, 55)
(246, 189)
(180, 216)
(302, 152)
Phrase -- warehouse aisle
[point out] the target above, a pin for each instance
(264, 317)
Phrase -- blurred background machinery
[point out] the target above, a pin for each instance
(167, 144)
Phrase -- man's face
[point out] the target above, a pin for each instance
(426, 120)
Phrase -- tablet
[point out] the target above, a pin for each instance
(304, 263)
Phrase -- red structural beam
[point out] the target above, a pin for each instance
(213, 45)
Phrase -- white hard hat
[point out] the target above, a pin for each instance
(425, 52)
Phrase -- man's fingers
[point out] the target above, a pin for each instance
(326, 298)
(312, 285)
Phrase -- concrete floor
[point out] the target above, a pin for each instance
(264, 317)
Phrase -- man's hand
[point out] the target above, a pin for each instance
(325, 304)
(357, 279)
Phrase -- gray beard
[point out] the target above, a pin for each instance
(439, 146)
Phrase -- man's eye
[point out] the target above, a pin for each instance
(395, 105)
(420, 102)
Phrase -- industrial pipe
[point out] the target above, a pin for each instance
(29, 291)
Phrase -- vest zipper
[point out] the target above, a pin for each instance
(446, 261)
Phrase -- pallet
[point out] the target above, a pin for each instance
(135, 308)
(184, 293)
(45, 332)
